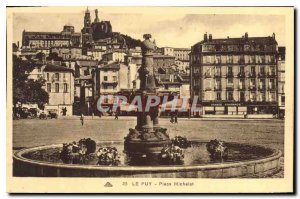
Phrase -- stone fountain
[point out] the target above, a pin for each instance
(147, 137)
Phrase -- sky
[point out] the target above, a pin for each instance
(168, 29)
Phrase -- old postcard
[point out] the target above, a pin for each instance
(150, 99)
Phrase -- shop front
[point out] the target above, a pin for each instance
(238, 108)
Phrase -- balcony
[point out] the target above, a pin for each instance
(208, 89)
(271, 88)
(241, 61)
(241, 88)
(217, 88)
(271, 75)
(217, 62)
(262, 88)
(229, 88)
(261, 75)
(252, 88)
(241, 75)
(217, 75)
(229, 75)
(252, 75)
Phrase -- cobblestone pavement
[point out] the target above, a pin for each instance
(35, 132)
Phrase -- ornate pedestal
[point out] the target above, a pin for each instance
(147, 137)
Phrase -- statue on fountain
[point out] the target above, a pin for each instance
(147, 137)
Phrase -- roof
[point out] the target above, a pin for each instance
(87, 63)
(241, 40)
(56, 68)
(163, 56)
(183, 49)
(113, 65)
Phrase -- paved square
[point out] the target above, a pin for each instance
(35, 132)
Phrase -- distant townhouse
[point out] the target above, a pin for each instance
(60, 87)
(67, 53)
(181, 56)
(109, 80)
(114, 56)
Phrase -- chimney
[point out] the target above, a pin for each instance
(210, 37)
(205, 37)
(246, 35)
(273, 35)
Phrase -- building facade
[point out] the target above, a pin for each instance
(68, 37)
(281, 82)
(235, 75)
(60, 87)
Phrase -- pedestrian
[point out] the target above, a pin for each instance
(172, 118)
(82, 119)
(116, 116)
(176, 117)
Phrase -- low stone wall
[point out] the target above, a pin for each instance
(28, 167)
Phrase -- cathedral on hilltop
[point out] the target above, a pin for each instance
(99, 35)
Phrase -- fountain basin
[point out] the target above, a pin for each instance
(244, 160)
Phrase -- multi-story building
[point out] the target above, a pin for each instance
(68, 37)
(60, 87)
(235, 75)
(181, 56)
(114, 56)
(67, 53)
(281, 81)
(110, 79)
(96, 54)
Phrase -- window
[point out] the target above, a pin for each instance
(65, 88)
(229, 95)
(134, 85)
(115, 78)
(57, 76)
(56, 87)
(242, 96)
(229, 70)
(105, 78)
(48, 87)
(252, 97)
(230, 81)
(252, 69)
(48, 77)
(272, 84)
(242, 69)
(282, 100)
(105, 86)
(262, 70)
(218, 95)
(261, 83)
(252, 82)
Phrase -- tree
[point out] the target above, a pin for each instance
(40, 56)
(27, 90)
(54, 56)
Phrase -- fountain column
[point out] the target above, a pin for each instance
(147, 137)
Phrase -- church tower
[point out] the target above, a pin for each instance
(87, 32)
